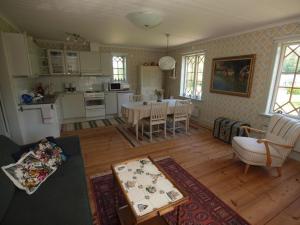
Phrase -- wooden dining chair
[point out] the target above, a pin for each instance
(158, 116)
(181, 113)
(135, 98)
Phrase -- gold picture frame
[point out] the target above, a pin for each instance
(233, 75)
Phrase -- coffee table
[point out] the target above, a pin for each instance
(149, 192)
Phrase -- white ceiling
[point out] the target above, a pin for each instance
(105, 20)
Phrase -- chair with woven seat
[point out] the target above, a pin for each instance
(271, 151)
(135, 98)
(181, 113)
(158, 116)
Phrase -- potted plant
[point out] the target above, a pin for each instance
(159, 95)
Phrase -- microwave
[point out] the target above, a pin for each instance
(115, 86)
(118, 86)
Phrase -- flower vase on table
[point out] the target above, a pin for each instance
(159, 94)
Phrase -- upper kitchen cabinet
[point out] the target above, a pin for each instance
(34, 53)
(90, 63)
(56, 60)
(22, 55)
(106, 64)
(72, 63)
(44, 62)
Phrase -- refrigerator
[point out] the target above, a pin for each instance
(150, 78)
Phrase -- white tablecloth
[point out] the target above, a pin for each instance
(135, 111)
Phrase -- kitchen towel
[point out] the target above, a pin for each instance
(47, 113)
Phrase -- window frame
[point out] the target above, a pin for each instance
(277, 66)
(124, 67)
(184, 73)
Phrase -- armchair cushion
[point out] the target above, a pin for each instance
(251, 152)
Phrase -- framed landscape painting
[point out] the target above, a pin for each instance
(232, 75)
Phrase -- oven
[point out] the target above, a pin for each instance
(94, 104)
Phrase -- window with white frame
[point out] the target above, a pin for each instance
(286, 92)
(192, 75)
(119, 68)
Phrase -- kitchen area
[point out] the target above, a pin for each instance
(55, 86)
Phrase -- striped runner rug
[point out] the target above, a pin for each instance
(116, 121)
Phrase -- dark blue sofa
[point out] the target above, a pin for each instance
(61, 200)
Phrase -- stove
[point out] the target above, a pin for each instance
(94, 104)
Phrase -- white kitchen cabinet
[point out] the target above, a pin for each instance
(56, 61)
(33, 126)
(90, 63)
(111, 103)
(106, 64)
(72, 105)
(123, 98)
(34, 53)
(59, 109)
(18, 57)
(72, 63)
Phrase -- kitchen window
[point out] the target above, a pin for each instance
(119, 68)
(192, 76)
(285, 93)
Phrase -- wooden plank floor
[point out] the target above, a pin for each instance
(260, 196)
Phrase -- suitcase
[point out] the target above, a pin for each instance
(225, 129)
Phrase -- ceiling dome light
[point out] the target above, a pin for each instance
(145, 19)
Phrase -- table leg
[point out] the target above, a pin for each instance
(137, 130)
(178, 215)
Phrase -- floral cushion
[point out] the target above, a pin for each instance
(49, 153)
(33, 168)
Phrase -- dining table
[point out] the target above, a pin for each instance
(133, 112)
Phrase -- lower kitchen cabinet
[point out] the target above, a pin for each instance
(123, 98)
(34, 126)
(72, 105)
(111, 103)
(114, 102)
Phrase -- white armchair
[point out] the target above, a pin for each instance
(271, 151)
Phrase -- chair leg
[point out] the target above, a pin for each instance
(174, 127)
(150, 132)
(246, 168)
(186, 127)
(279, 171)
(142, 129)
(165, 129)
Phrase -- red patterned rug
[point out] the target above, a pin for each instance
(205, 208)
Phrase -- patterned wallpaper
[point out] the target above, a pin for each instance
(261, 43)
(135, 58)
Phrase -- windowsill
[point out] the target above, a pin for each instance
(268, 115)
(193, 99)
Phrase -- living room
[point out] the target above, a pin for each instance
(129, 112)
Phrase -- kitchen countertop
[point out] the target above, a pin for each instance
(47, 99)
(120, 91)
